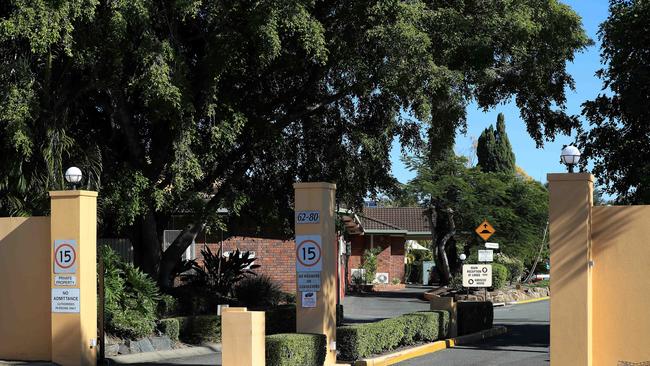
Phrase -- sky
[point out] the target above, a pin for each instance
(536, 162)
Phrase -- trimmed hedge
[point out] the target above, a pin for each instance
(199, 329)
(474, 316)
(169, 327)
(295, 349)
(500, 276)
(363, 340)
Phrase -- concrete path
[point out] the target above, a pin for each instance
(377, 306)
(526, 343)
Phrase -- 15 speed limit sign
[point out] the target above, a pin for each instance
(308, 253)
(65, 256)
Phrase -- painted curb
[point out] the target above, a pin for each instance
(204, 350)
(418, 351)
(528, 301)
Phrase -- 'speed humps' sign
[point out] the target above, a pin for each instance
(477, 275)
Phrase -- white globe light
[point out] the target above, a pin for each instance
(73, 175)
(462, 257)
(570, 155)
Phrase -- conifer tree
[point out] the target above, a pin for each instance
(494, 151)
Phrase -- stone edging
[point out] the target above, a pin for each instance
(207, 349)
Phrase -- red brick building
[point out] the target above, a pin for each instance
(388, 228)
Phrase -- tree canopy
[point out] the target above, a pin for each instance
(187, 106)
(617, 140)
(494, 151)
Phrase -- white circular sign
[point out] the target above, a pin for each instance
(65, 257)
(308, 253)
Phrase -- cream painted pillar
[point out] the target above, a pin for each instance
(242, 338)
(73, 271)
(320, 319)
(571, 200)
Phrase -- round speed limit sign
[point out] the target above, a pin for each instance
(65, 256)
(308, 253)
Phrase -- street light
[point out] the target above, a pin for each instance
(570, 157)
(73, 176)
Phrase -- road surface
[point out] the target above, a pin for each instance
(526, 342)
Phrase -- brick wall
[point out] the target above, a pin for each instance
(276, 257)
(390, 259)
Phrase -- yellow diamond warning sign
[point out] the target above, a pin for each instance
(485, 230)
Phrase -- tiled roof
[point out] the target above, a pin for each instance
(410, 219)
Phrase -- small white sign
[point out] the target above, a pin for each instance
(65, 280)
(477, 275)
(486, 255)
(308, 281)
(492, 245)
(308, 299)
(65, 256)
(307, 217)
(309, 253)
(65, 300)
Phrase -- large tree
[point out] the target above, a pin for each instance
(618, 138)
(494, 151)
(182, 107)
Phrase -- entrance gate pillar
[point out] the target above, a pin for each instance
(316, 242)
(571, 200)
(73, 277)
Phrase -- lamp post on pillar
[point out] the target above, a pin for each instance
(570, 157)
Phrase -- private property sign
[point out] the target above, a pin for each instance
(477, 275)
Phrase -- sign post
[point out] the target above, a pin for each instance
(316, 262)
(73, 283)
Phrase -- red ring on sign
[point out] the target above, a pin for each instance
(298, 253)
(74, 256)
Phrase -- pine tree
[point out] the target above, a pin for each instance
(494, 151)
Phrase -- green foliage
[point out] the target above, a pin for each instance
(616, 139)
(167, 306)
(296, 349)
(131, 298)
(494, 151)
(363, 340)
(369, 263)
(218, 274)
(258, 292)
(170, 328)
(500, 275)
(515, 267)
(188, 100)
(516, 206)
(474, 316)
(199, 329)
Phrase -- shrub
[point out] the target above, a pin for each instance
(499, 276)
(131, 298)
(258, 292)
(515, 267)
(167, 306)
(169, 327)
(199, 329)
(218, 274)
(363, 340)
(370, 264)
(281, 319)
(295, 350)
(339, 314)
(195, 300)
(289, 297)
(474, 316)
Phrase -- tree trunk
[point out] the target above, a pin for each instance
(173, 254)
(150, 248)
(445, 270)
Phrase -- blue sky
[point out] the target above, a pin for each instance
(536, 162)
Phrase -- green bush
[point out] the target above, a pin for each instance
(199, 329)
(370, 264)
(295, 349)
(258, 292)
(363, 340)
(515, 267)
(474, 316)
(130, 300)
(281, 319)
(499, 276)
(339, 314)
(167, 306)
(194, 300)
(219, 274)
(169, 327)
